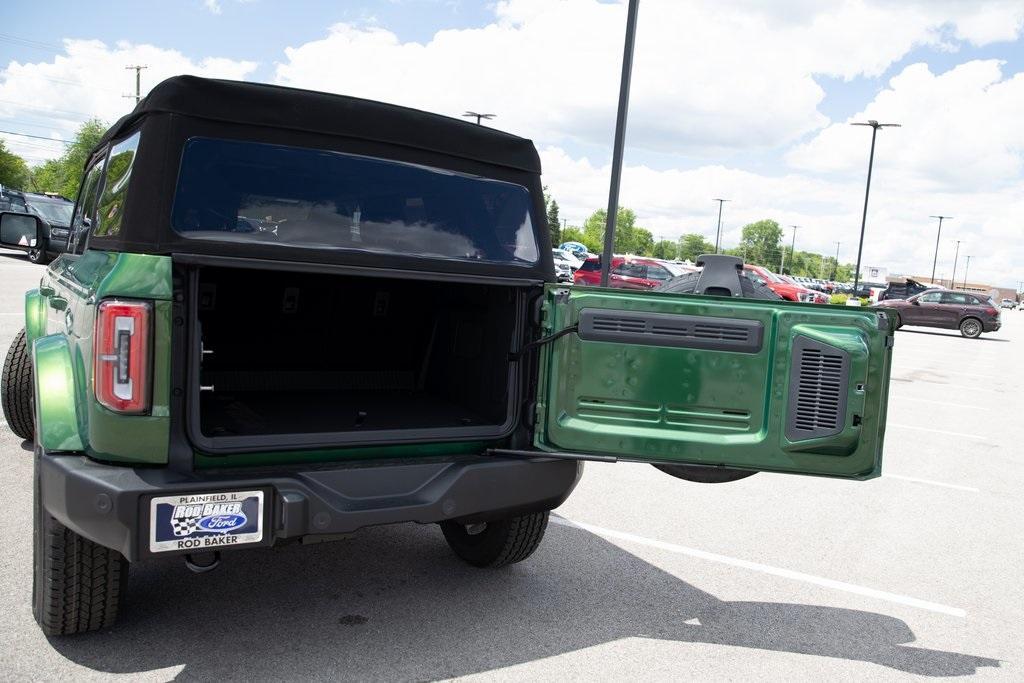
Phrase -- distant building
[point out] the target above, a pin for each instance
(979, 288)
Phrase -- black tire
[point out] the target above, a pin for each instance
(76, 584)
(897, 321)
(704, 475)
(971, 328)
(16, 391)
(38, 257)
(498, 543)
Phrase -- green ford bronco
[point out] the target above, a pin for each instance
(288, 315)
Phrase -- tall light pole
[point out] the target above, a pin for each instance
(835, 267)
(966, 268)
(473, 114)
(937, 237)
(620, 141)
(718, 233)
(952, 280)
(875, 125)
(782, 263)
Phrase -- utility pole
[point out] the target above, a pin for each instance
(966, 268)
(835, 266)
(718, 233)
(792, 253)
(875, 125)
(937, 237)
(138, 80)
(472, 114)
(620, 141)
(952, 280)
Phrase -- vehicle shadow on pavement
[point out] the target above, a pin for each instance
(955, 335)
(394, 603)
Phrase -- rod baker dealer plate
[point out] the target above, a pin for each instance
(205, 520)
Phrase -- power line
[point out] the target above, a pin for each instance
(49, 109)
(28, 42)
(38, 137)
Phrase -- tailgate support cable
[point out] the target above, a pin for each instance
(518, 355)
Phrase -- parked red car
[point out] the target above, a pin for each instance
(627, 272)
(786, 290)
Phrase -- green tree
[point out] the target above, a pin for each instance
(761, 243)
(629, 238)
(692, 245)
(64, 175)
(554, 223)
(574, 234)
(14, 171)
(666, 249)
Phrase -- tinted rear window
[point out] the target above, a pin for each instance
(299, 197)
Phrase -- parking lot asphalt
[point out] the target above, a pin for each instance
(914, 574)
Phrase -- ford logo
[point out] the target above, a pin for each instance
(222, 523)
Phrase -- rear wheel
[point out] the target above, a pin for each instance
(498, 543)
(16, 390)
(971, 328)
(76, 584)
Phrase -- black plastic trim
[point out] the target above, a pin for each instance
(665, 329)
(338, 269)
(819, 381)
(109, 504)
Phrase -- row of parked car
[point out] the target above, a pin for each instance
(908, 301)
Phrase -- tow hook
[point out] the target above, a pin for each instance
(190, 562)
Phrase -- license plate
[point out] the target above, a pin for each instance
(205, 521)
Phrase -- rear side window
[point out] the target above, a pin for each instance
(85, 209)
(240, 191)
(115, 188)
(956, 298)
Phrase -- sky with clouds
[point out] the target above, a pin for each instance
(740, 99)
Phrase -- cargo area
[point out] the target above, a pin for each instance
(308, 359)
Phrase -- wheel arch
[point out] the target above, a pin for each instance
(35, 316)
(57, 419)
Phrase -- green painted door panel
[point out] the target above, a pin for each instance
(740, 383)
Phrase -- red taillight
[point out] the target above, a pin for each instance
(121, 356)
(992, 311)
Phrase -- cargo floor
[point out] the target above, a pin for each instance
(293, 412)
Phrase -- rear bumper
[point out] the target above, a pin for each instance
(991, 325)
(110, 504)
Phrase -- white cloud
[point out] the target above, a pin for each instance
(708, 77)
(89, 79)
(212, 6)
(713, 82)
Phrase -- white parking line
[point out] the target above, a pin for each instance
(765, 569)
(938, 431)
(950, 372)
(911, 402)
(958, 487)
(909, 381)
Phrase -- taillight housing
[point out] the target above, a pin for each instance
(121, 355)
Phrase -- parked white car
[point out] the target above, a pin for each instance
(567, 257)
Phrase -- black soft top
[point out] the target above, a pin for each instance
(275, 106)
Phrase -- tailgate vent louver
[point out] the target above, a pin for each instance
(663, 329)
(818, 385)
